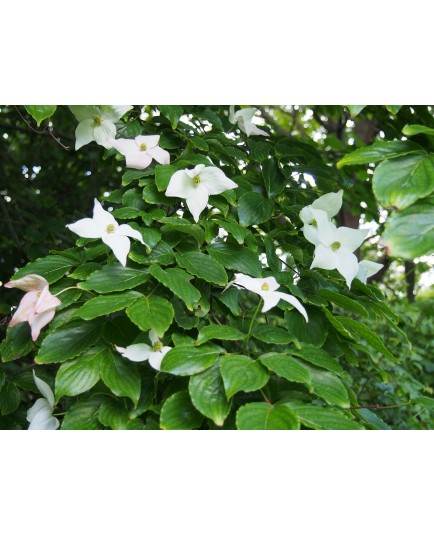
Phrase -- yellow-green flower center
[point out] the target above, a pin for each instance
(157, 346)
(97, 120)
(335, 246)
(265, 286)
(196, 180)
(110, 228)
(314, 223)
(143, 147)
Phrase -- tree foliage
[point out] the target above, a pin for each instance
(224, 363)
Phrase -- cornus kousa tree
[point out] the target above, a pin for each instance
(222, 281)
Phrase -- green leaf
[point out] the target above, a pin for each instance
(414, 130)
(81, 374)
(274, 180)
(105, 305)
(2, 378)
(241, 373)
(17, 342)
(113, 278)
(373, 420)
(9, 398)
(329, 387)
(178, 413)
(314, 332)
(132, 175)
(68, 341)
(426, 402)
(235, 229)
(203, 266)
(393, 108)
(208, 395)
(163, 174)
(286, 367)
(173, 113)
(237, 258)
(318, 357)
(221, 332)
(185, 360)
(83, 415)
(184, 226)
(84, 271)
(343, 301)
(253, 208)
(121, 376)
(151, 312)
(120, 331)
(259, 150)
(355, 109)
(369, 336)
(404, 180)
(322, 418)
(410, 233)
(230, 298)
(52, 268)
(112, 414)
(39, 112)
(272, 334)
(178, 281)
(263, 416)
(379, 151)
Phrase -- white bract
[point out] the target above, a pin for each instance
(97, 123)
(266, 288)
(104, 226)
(140, 151)
(244, 120)
(196, 185)
(143, 352)
(330, 204)
(367, 269)
(40, 415)
(335, 249)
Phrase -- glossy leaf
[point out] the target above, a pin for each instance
(69, 341)
(104, 305)
(178, 413)
(39, 112)
(151, 312)
(185, 360)
(121, 376)
(203, 266)
(178, 281)
(253, 208)
(208, 395)
(221, 332)
(263, 416)
(113, 278)
(241, 373)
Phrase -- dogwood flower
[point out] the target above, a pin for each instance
(330, 204)
(335, 249)
(38, 305)
(266, 287)
(244, 120)
(40, 415)
(143, 352)
(96, 123)
(196, 185)
(103, 225)
(367, 269)
(140, 151)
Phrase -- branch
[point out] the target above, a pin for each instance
(270, 119)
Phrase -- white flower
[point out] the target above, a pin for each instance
(140, 151)
(40, 415)
(104, 226)
(96, 123)
(330, 204)
(367, 269)
(143, 352)
(335, 249)
(244, 119)
(266, 287)
(196, 185)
